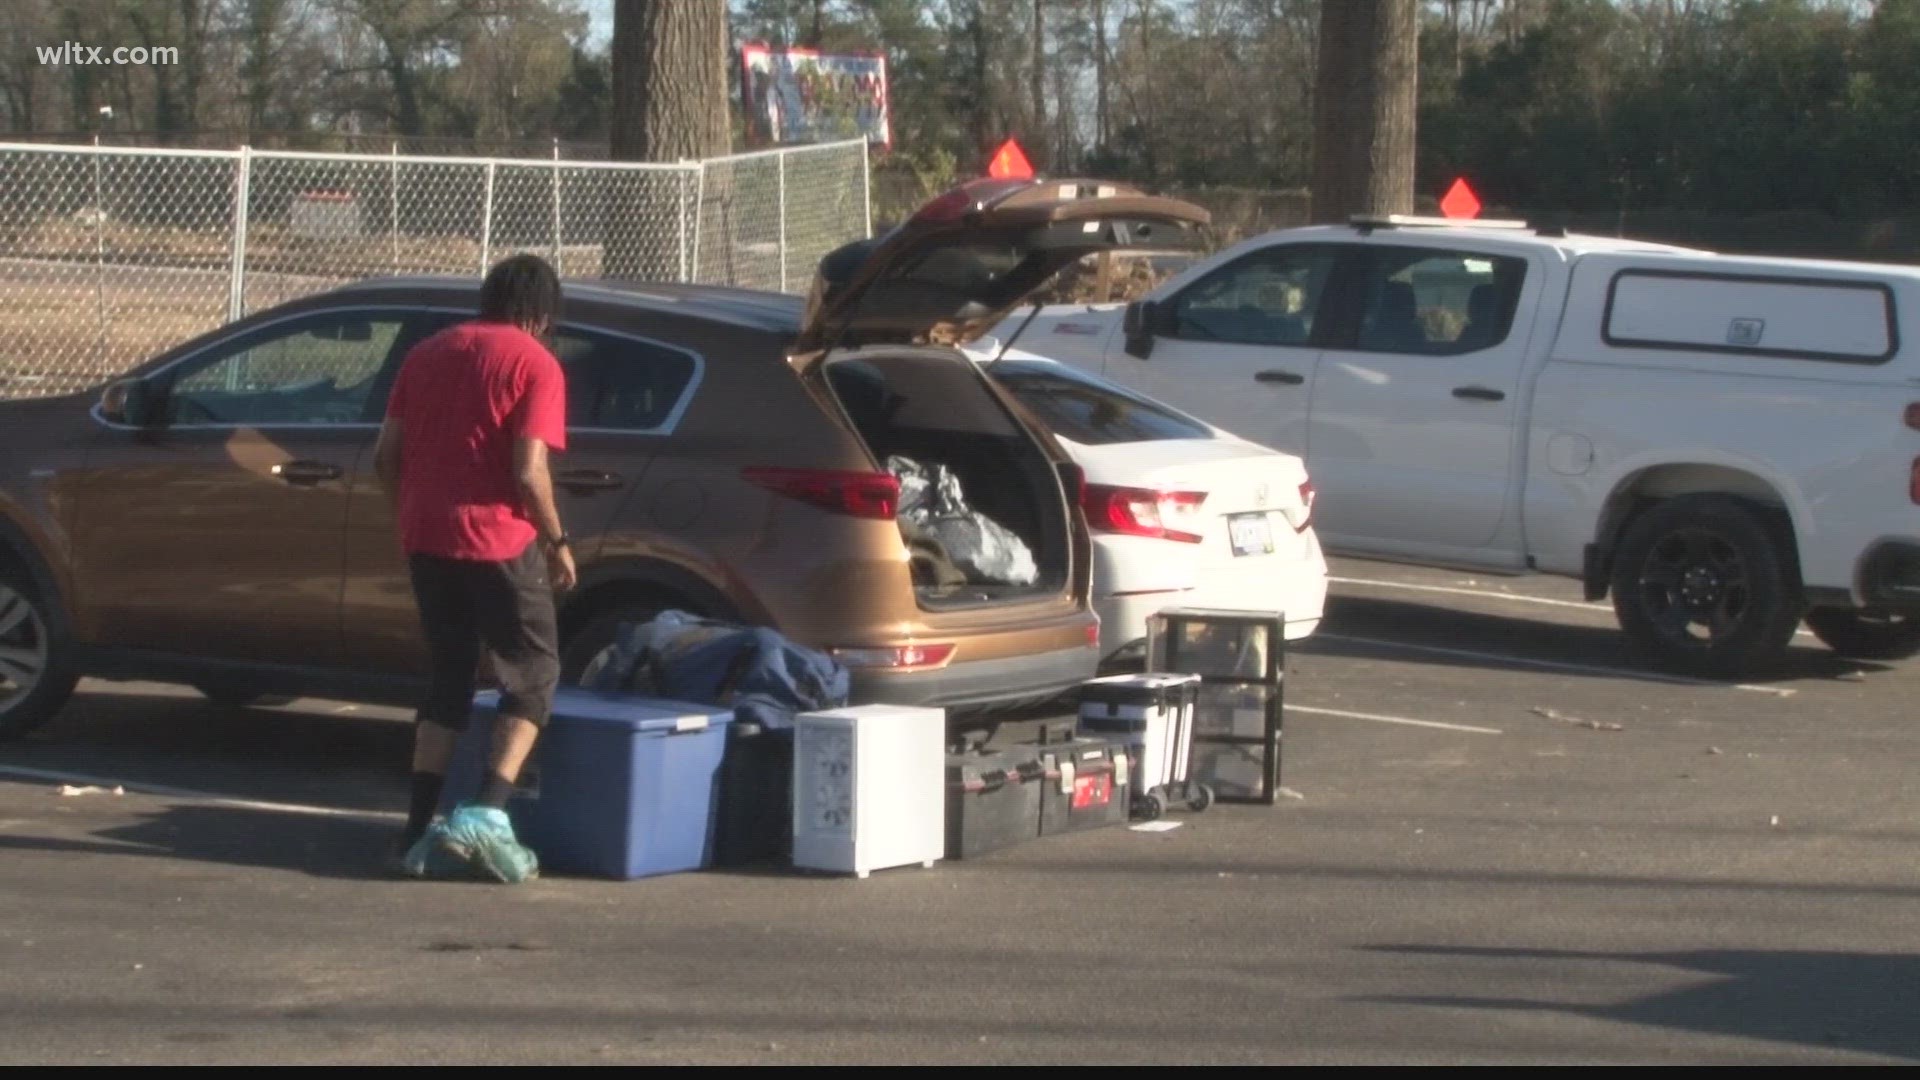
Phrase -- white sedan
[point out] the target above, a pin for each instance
(1182, 513)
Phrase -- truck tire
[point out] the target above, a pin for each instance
(36, 678)
(1706, 588)
(1857, 635)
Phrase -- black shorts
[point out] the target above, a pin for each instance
(507, 608)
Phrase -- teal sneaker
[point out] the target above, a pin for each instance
(416, 860)
(482, 837)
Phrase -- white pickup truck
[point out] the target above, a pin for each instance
(1727, 445)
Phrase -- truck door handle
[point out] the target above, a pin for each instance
(581, 481)
(1479, 393)
(1287, 377)
(305, 473)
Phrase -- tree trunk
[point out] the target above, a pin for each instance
(1100, 74)
(1038, 80)
(1366, 94)
(263, 22)
(669, 104)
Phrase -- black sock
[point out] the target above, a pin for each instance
(496, 791)
(426, 799)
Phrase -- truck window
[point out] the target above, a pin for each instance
(1269, 297)
(1437, 303)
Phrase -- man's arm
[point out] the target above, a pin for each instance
(536, 487)
(386, 461)
(536, 493)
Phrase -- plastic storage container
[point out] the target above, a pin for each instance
(993, 799)
(1240, 657)
(618, 786)
(869, 788)
(1151, 714)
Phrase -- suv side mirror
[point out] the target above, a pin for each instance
(129, 402)
(1142, 320)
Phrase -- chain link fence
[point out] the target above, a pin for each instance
(111, 254)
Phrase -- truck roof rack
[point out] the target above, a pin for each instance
(1369, 222)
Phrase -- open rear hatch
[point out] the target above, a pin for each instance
(983, 509)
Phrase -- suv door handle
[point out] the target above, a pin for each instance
(588, 480)
(1479, 393)
(1287, 377)
(306, 472)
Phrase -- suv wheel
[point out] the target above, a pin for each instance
(582, 649)
(1703, 585)
(1859, 635)
(35, 680)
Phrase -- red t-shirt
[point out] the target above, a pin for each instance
(462, 397)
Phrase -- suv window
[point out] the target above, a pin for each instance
(1090, 413)
(1436, 303)
(1267, 298)
(620, 383)
(320, 369)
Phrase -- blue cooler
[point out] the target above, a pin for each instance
(619, 786)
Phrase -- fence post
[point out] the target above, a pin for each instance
(781, 157)
(99, 249)
(556, 204)
(237, 287)
(393, 203)
(699, 217)
(486, 222)
(680, 216)
(866, 184)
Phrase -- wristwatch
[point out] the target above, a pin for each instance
(558, 542)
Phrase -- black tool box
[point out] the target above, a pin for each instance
(1087, 785)
(993, 799)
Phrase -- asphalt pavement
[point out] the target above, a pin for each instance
(1513, 843)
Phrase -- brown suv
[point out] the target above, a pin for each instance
(213, 518)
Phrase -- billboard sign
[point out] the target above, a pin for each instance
(806, 96)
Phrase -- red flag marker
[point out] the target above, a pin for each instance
(1010, 163)
(1460, 201)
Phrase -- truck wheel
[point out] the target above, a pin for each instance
(1858, 635)
(35, 678)
(1706, 588)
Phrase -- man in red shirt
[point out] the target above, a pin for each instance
(463, 456)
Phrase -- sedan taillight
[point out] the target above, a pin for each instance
(1163, 515)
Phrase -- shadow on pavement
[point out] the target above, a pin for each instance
(330, 847)
(1405, 623)
(1856, 1001)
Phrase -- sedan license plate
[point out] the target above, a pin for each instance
(1252, 534)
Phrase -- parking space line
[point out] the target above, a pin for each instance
(1455, 590)
(1558, 665)
(1490, 594)
(163, 791)
(1394, 720)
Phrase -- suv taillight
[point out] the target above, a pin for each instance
(1163, 515)
(861, 494)
(1913, 415)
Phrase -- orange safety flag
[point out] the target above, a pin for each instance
(1010, 163)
